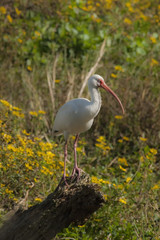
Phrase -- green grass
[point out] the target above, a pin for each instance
(47, 49)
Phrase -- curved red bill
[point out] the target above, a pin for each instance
(104, 86)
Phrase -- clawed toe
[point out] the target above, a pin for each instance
(78, 171)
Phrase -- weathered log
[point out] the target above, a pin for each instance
(67, 204)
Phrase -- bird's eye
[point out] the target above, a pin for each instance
(99, 82)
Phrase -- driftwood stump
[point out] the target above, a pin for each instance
(66, 205)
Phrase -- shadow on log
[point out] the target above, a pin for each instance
(66, 205)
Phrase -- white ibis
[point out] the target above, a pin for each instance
(77, 115)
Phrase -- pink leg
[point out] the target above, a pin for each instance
(76, 169)
(65, 159)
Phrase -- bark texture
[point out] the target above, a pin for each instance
(67, 204)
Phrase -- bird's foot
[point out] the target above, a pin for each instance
(78, 171)
(63, 179)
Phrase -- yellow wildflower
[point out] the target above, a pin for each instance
(28, 166)
(101, 139)
(45, 146)
(35, 114)
(46, 171)
(143, 139)
(153, 151)
(57, 81)
(95, 180)
(129, 6)
(141, 159)
(29, 68)
(37, 139)
(22, 140)
(20, 40)
(113, 75)
(118, 117)
(123, 169)
(16, 108)
(25, 132)
(127, 21)
(153, 39)
(123, 161)
(8, 191)
(120, 140)
(114, 185)
(141, 15)
(103, 146)
(18, 114)
(5, 103)
(154, 62)
(102, 181)
(128, 179)
(120, 186)
(7, 137)
(35, 179)
(29, 152)
(119, 68)
(79, 149)
(37, 33)
(41, 112)
(38, 199)
(81, 226)
(123, 200)
(107, 182)
(18, 12)
(11, 147)
(15, 199)
(2, 10)
(9, 18)
(105, 196)
(155, 187)
(126, 138)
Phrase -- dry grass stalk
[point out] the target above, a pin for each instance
(51, 82)
(71, 78)
(51, 90)
(35, 100)
(93, 69)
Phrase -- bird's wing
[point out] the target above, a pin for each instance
(70, 115)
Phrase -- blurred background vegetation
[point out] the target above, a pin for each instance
(47, 50)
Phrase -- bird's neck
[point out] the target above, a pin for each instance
(95, 103)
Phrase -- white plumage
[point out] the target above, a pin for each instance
(77, 116)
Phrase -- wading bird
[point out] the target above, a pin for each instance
(77, 116)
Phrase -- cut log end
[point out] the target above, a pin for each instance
(67, 204)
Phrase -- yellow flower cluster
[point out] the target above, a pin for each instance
(26, 158)
(119, 117)
(36, 114)
(3, 10)
(154, 62)
(14, 110)
(99, 181)
(123, 161)
(101, 143)
(119, 68)
(127, 21)
(123, 200)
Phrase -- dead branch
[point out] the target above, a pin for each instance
(66, 205)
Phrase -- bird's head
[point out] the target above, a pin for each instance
(96, 81)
